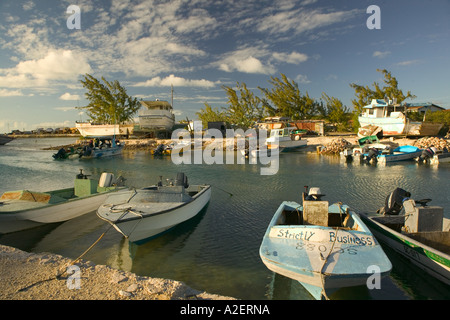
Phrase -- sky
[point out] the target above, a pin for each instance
(199, 46)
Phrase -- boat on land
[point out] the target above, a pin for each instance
(24, 209)
(324, 247)
(97, 130)
(141, 214)
(393, 121)
(289, 139)
(416, 231)
(156, 115)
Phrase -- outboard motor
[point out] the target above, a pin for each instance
(394, 201)
(61, 154)
(182, 180)
(159, 149)
(427, 154)
(372, 154)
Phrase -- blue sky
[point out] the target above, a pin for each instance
(200, 45)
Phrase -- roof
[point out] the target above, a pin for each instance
(155, 103)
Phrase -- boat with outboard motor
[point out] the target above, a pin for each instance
(324, 247)
(141, 214)
(24, 209)
(415, 230)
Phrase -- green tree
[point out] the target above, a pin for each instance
(108, 101)
(211, 115)
(287, 99)
(336, 112)
(244, 107)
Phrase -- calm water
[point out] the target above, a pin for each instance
(218, 250)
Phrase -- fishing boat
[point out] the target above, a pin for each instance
(392, 120)
(288, 139)
(107, 148)
(141, 214)
(415, 230)
(433, 156)
(24, 209)
(324, 247)
(97, 130)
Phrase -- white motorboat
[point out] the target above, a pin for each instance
(24, 209)
(141, 214)
(96, 130)
(286, 138)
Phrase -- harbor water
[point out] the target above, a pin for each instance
(218, 251)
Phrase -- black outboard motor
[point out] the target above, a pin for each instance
(159, 149)
(372, 153)
(427, 154)
(182, 180)
(394, 201)
(61, 154)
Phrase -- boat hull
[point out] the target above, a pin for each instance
(322, 259)
(53, 213)
(141, 228)
(104, 152)
(400, 154)
(89, 130)
(432, 261)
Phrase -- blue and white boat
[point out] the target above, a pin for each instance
(400, 153)
(324, 247)
(109, 147)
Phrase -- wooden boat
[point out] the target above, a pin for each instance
(288, 139)
(141, 214)
(391, 118)
(24, 209)
(324, 247)
(416, 231)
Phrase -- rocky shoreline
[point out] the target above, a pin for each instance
(47, 276)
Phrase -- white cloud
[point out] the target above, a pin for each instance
(381, 54)
(247, 60)
(302, 79)
(10, 93)
(68, 96)
(175, 81)
(407, 63)
(293, 57)
(56, 65)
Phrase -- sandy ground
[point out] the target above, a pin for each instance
(29, 276)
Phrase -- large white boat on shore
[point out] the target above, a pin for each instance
(392, 120)
(96, 130)
(156, 115)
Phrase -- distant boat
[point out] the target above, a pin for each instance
(393, 121)
(324, 247)
(24, 209)
(109, 148)
(4, 139)
(416, 231)
(288, 139)
(400, 153)
(95, 130)
(141, 214)
(156, 115)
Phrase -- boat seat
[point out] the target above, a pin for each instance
(315, 213)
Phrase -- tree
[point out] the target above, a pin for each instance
(244, 107)
(211, 115)
(108, 101)
(364, 94)
(287, 99)
(336, 111)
